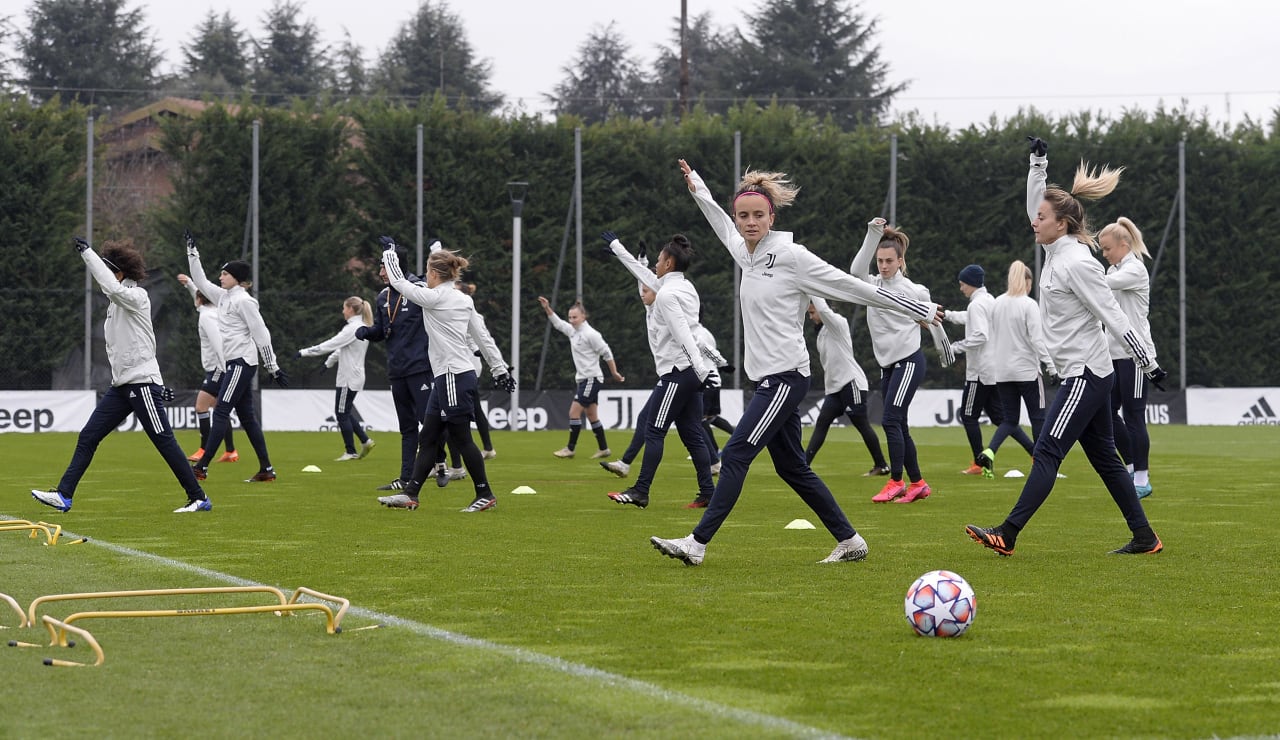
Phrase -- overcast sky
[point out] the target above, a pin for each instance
(964, 60)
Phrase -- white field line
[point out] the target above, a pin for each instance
(613, 680)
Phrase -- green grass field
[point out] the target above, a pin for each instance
(551, 616)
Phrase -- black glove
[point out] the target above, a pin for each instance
(166, 394)
(387, 242)
(81, 244)
(607, 250)
(297, 355)
(362, 332)
(189, 241)
(280, 377)
(1039, 147)
(641, 254)
(727, 369)
(1157, 375)
(504, 382)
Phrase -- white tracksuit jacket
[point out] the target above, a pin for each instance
(1074, 297)
(450, 318)
(130, 338)
(244, 333)
(1131, 285)
(346, 352)
(778, 279)
(835, 351)
(977, 335)
(894, 335)
(1017, 341)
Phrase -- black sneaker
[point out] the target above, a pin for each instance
(698, 502)
(992, 537)
(442, 476)
(631, 496)
(879, 470)
(395, 485)
(1141, 546)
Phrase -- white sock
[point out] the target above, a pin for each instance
(1142, 478)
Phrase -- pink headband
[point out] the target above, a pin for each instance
(753, 192)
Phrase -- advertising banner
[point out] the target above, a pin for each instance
(1233, 406)
(45, 411)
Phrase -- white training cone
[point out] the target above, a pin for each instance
(311, 469)
(799, 524)
(1014, 474)
(523, 489)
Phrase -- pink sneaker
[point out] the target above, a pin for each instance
(891, 490)
(915, 492)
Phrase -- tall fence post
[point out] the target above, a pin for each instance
(88, 234)
(1182, 262)
(737, 272)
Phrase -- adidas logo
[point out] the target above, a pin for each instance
(764, 383)
(1260, 413)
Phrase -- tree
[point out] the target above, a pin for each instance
(7, 32)
(351, 76)
(41, 208)
(219, 51)
(709, 52)
(430, 54)
(288, 60)
(817, 54)
(603, 81)
(90, 51)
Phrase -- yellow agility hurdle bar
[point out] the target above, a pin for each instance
(13, 603)
(31, 612)
(63, 628)
(59, 636)
(51, 531)
(344, 604)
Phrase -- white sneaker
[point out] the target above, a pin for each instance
(488, 454)
(457, 473)
(686, 549)
(854, 548)
(563, 452)
(601, 453)
(52, 498)
(346, 456)
(617, 467)
(398, 501)
(194, 505)
(367, 447)
(715, 468)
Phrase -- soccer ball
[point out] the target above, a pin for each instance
(940, 604)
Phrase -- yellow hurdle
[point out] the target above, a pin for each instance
(63, 628)
(51, 531)
(58, 629)
(13, 603)
(31, 612)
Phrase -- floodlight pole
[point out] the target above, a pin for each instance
(517, 191)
